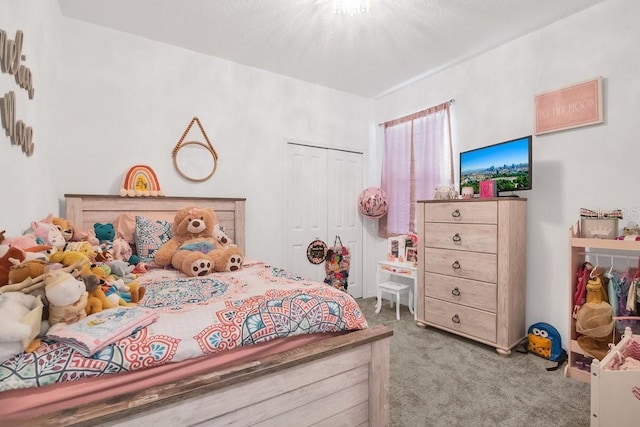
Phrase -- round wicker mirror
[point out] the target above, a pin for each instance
(195, 161)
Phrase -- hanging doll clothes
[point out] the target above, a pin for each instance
(593, 313)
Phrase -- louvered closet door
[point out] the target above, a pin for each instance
(321, 202)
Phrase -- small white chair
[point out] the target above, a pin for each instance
(397, 289)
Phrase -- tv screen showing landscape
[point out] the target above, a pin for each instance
(507, 163)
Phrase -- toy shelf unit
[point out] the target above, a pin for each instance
(601, 253)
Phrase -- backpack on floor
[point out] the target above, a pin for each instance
(544, 340)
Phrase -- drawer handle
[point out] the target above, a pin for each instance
(455, 265)
(455, 292)
(455, 318)
(456, 213)
(456, 238)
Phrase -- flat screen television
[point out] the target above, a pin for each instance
(507, 163)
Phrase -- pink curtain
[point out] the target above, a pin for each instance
(418, 157)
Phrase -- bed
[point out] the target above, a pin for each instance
(338, 378)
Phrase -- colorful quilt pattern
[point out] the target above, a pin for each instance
(197, 316)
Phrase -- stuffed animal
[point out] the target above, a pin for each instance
(83, 247)
(66, 228)
(193, 249)
(23, 242)
(188, 223)
(20, 316)
(96, 299)
(67, 298)
(221, 236)
(7, 253)
(21, 271)
(229, 258)
(47, 234)
(105, 233)
(121, 249)
(194, 226)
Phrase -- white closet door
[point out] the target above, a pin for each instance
(321, 202)
(344, 180)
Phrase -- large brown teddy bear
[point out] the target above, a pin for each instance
(193, 249)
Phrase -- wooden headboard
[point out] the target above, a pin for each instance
(84, 210)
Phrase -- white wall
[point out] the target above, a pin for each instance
(27, 191)
(593, 167)
(106, 100)
(119, 100)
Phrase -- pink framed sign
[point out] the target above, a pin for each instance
(570, 107)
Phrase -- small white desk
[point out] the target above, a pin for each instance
(399, 269)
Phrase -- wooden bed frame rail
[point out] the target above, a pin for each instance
(342, 380)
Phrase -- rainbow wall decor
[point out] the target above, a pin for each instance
(140, 180)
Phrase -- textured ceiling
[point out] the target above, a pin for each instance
(397, 41)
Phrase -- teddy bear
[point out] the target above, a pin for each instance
(67, 298)
(20, 322)
(105, 233)
(192, 249)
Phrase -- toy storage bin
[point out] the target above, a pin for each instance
(615, 394)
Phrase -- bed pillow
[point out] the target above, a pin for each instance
(150, 235)
(125, 226)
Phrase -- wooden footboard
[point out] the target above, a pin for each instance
(341, 381)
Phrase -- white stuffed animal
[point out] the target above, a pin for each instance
(221, 236)
(20, 320)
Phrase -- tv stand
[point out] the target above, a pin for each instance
(508, 195)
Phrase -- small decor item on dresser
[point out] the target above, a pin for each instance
(337, 264)
(467, 192)
(445, 192)
(317, 251)
(599, 224)
(488, 189)
(140, 181)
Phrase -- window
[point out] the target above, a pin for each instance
(417, 158)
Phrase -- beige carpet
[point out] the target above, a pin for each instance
(439, 379)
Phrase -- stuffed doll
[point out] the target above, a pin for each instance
(67, 298)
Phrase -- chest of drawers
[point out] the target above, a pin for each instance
(471, 269)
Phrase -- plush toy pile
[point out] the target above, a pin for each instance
(62, 274)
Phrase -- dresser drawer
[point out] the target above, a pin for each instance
(480, 295)
(466, 237)
(462, 212)
(461, 319)
(468, 265)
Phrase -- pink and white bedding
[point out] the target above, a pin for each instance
(197, 316)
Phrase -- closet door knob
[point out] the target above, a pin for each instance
(455, 265)
(455, 318)
(455, 292)
(456, 213)
(456, 238)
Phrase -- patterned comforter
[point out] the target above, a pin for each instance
(197, 316)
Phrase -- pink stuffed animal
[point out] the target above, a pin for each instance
(48, 234)
(121, 249)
